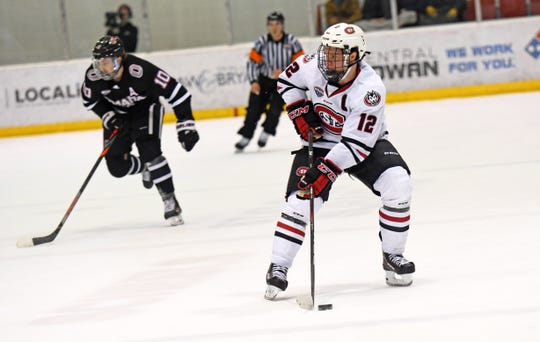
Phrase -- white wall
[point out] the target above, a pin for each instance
(414, 59)
(32, 31)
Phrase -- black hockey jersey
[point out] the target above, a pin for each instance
(141, 85)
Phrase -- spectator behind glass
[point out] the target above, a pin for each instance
(377, 15)
(342, 11)
(119, 24)
(432, 12)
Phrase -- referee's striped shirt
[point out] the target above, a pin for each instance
(268, 55)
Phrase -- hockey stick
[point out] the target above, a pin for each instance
(29, 242)
(308, 302)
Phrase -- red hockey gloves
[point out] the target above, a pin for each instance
(320, 177)
(187, 135)
(305, 119)
(111, 120)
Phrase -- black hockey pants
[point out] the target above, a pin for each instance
(257, 106)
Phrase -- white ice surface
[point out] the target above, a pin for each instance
(116, 272)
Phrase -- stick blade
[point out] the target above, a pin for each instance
(25, 242)
(305, 302)
(29, 242)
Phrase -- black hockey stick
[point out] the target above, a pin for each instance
(29, 242)
(308, 302)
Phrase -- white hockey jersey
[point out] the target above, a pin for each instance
(352, 116)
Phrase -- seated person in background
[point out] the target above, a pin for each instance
(342, 11)
(377, 15)
(433, 12)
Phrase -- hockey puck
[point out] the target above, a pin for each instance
(324, 307)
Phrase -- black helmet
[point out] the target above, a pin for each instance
(275, 16)
(108, 46)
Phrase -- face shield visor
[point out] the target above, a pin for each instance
(106, 68)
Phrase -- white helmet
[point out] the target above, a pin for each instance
(347, 37)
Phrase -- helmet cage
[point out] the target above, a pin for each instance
(335, 74)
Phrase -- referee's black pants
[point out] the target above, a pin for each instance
(258, 103)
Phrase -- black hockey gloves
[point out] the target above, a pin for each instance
(305, 119)
(187, 135)
(111, 120)
(320, 177)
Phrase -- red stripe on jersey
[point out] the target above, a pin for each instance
(291, 229)
(362, 154)
(394, 219)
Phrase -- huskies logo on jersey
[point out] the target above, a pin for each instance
(331, 121)
(308, 58)
(372, 98)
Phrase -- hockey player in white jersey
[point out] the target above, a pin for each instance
(339, 97)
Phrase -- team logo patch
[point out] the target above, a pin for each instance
(301, 171)
(318, 91)
(308, 58)
(349, 30)
(331, 121)
(372, 98)
(136, 70)
(92, 75)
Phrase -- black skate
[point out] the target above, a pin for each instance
(276, 279)
(173, 212)
(398, 270)
(263, 139)
(240, 145)
(146, 177)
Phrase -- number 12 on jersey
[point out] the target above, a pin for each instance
(367, 122)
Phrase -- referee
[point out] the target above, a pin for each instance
(271, 53)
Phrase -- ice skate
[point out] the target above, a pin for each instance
(398, 270)
(173, 212)
(240, 145)
(147, 177)
(276, 279)
(263, 139)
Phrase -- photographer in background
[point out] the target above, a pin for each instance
(118, 24)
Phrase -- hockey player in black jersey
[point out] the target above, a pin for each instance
(124, 91)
